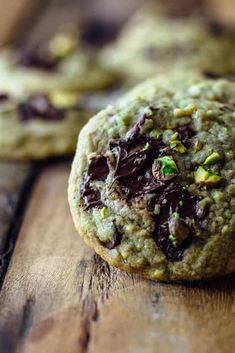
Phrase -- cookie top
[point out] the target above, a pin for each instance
(40, 125)
(57, 65)
(152, 184)
(151, 44)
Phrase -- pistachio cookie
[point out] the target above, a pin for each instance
(40, 126)
(58, 65)
(152, 187)
(151, 44)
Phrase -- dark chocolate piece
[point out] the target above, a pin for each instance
(174, 199)
(115, 241)
(40, 107)
(97, 32)
(98, 168)
(37, 58)
(230, 76)
(4, 97)
(133, 164)
(135, 130)
(91, 197)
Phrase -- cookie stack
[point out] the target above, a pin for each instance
(152, 186)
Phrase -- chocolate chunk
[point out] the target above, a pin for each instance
(215, 76)
(4, 97)
(172, 199)
(91, 196)
(135, 130)
(40, 107)
(37, 58)
(164, 168)
(133, 164)
(211, 75)
(185, 134)
(116, 240)
(97, 32)
(98, 168)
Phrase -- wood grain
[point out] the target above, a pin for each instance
(58, 296)
(10, 15)
(14, 178)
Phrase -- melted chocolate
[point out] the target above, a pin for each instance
(98, 168)
(174, 199)
(135, 130)
(37, 58)
(116, 240)
(133, 164)
(91, 197)
(40, 107)
(215, 76)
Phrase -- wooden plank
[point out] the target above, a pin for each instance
(58, 296)
(13, 177)
(11, 13)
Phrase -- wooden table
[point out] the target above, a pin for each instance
(58, 296)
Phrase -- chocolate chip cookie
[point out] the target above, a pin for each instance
(40, 125)
(151, 44)
(60, 64)
(152, 187)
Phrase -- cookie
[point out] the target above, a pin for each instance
(57, 65)
(151, 44)
(152, 186)
(40, 126)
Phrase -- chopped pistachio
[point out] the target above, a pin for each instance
(181, 203)
(155, 134)
(103, 212)
(175, 214)
(62, 45)
(204, 177)
(173, 238)
(176, 144)
(168, 165)
(212, 158)
(64, 99)
(146, 146)
(187, 111)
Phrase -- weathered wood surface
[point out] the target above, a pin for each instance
(15, 178)
(58, 296)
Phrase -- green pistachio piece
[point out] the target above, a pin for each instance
(155, 134)
(168, 165)
(62, 45)
(173, 239)
(176, 144)
(164, 168)
(146, 146)
(204, 177)
(64, 99)
(212, 158)
(103, 212)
